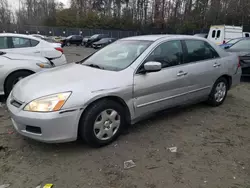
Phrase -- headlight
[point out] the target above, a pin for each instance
(44, 65)
(49, 103)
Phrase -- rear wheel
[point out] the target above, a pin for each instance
(102, 123)
(219, 92)
(13, 78)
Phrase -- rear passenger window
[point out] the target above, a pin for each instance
(3, 43)
(213, 34)
(218, 34)
(34, 43)
(18, 42)
(168, 54)
(199, 50)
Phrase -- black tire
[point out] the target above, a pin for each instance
(86, 125)
(212, 98)
(13, 78)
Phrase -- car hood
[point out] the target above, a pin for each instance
(14, 56)
(73, 77)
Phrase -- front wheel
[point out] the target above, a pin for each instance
(219, 92)
(102, 123)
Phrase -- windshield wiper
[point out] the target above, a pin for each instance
(94, 65)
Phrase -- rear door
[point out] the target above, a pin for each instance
(21, 45)
(203, 66)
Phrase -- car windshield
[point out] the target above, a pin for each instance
(117, 56)
(241, 45)
(233, 41)
(69, 37)
(94, 36)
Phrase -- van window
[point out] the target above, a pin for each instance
(218, 34)
(213, 34)
(199, 50)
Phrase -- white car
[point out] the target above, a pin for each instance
(14, 67)
(29, 45)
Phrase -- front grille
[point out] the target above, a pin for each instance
(16, 103)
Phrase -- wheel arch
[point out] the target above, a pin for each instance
(117, 99)
(228, 78)
(11, 73)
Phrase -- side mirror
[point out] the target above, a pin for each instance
(226, 47)
(152, 66)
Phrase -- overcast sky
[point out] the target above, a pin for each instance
(15, 3)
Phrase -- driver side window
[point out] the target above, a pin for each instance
(168, 54)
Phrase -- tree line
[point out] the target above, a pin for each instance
(168, 16)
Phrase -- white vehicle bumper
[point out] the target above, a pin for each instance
(60, 61)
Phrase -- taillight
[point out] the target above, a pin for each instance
(59, 49)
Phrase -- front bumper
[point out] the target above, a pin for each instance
(56, 127)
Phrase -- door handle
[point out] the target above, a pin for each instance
(216, 64)
(181, 73)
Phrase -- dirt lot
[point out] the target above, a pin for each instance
(213, 150)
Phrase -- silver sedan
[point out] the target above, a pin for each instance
(122, 83)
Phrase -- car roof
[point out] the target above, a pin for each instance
(157, 37)
(19, 35)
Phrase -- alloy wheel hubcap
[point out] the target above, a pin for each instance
(107, 124)
(220, 92)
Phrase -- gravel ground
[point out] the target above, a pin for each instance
(213, 150)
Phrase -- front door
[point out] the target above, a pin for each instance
(159, 90)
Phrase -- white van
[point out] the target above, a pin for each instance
(220, 34)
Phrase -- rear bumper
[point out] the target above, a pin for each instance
(60, 61)
(236, 78)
